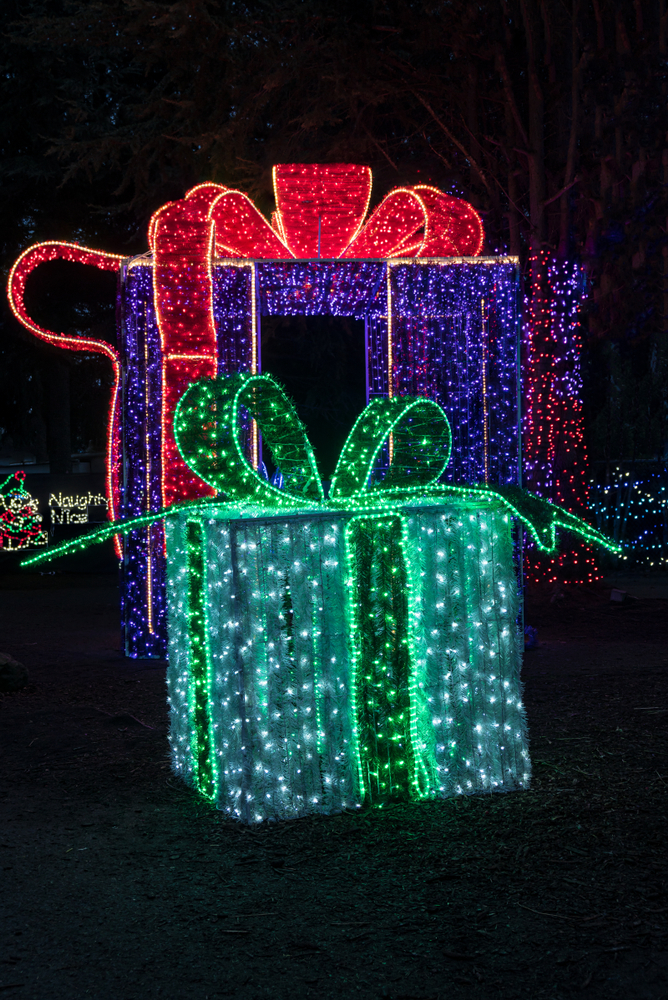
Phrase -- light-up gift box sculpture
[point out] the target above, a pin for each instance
(326, 652)
(440, 322)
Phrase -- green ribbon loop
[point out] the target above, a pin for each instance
(417, 434)
(208, 427)
(208, 430)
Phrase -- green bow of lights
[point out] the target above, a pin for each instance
(412, 435)
(208, 431)
(395, 453)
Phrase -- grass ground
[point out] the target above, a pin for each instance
(118, 882)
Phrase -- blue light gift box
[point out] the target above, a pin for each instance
(441, 328)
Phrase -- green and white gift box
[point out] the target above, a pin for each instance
(279, 711)
(327, 652)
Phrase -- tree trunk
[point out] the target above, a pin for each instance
(536, 133)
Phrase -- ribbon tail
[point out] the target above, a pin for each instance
(570, 522)
(542, 517)
(23, 267)
(108, 531)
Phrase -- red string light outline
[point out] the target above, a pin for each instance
(30, 259)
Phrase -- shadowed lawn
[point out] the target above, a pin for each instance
(118, 882)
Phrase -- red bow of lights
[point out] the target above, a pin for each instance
(321, 213)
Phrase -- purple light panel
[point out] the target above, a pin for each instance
(143, 601)
(452, 336)
(455, 340)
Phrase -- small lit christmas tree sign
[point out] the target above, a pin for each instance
(330, 651)
(20, 521)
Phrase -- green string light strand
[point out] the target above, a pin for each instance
(540, 517)
(421, 437)
(107, 531)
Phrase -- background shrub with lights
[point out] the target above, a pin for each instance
(631, 507)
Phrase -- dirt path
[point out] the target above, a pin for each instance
(118, 883)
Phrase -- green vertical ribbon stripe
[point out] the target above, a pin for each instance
(382, 657)
(200, 686)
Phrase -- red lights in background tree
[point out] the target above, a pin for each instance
(555, 453)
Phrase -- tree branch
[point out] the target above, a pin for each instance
(554, 197)
(476, 168)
